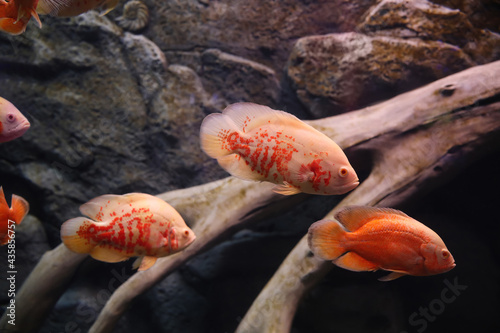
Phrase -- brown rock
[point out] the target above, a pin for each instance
(425, 20)
(339, 72)
(238, 79)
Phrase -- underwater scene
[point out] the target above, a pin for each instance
(214, 166)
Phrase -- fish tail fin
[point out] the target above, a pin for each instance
(214, 134)
(18, 209)
(77, 234)
(325, 239)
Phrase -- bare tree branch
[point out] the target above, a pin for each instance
(428, 135)
(415, 135)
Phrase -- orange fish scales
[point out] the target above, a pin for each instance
(368, 238)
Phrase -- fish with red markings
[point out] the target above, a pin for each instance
(368, 239)
(16, 213)
(255, 142)
(124, 226)
(12, 122)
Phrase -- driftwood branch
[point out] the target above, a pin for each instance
(41, 290)
(417, 135)
(428, 135)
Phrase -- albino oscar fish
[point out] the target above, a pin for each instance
(255, 142)
(124, 226)
(12, 122)
(16, 213)
(368, 239)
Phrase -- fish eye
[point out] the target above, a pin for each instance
(186, 233)
(11, 118)
(343, 172)
(445, 254)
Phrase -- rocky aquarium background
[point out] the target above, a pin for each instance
(115, 111)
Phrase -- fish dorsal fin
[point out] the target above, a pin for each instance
(248, 116)
(100, 207)
(18, 208)
(144, 263)
(354, 217)
(107, 254)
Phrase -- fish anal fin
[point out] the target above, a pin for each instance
(107, 254)
(325, 239)
(392, 276)
(37, 18)
(354, 262)
(18, 209)
(286, 189)
(144, 263)
(354, 217)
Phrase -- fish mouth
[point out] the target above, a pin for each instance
(348, 187)
(17, 131)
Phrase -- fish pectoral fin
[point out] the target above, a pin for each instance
(286, 189)
(106, 254)
(144, 263)
(354, 262)
(392, 276)
(305, 175)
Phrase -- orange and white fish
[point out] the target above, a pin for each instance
(17, 211)
(368, 239)
(124, 226)
(15, 15)
(255, 142)
(12, 122)
(67, 8)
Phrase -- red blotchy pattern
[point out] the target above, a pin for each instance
(128, 232)
(255, 150)
(316, 168)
